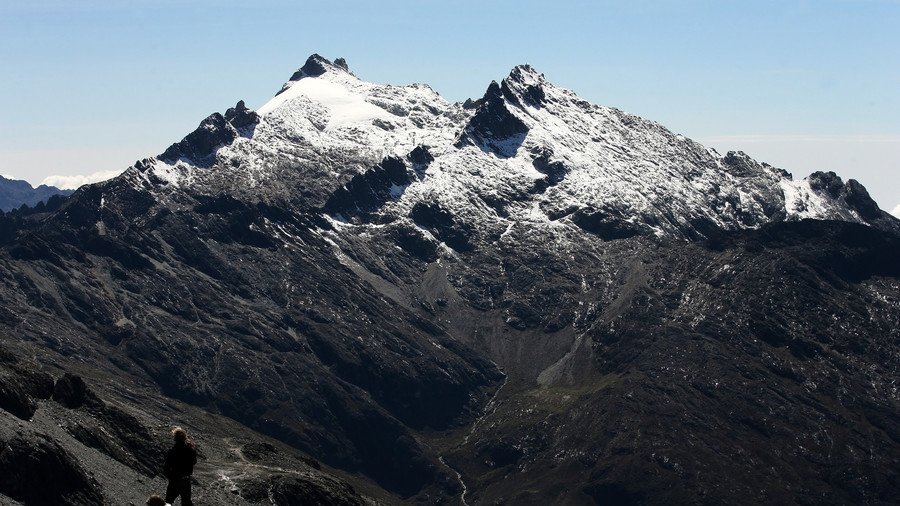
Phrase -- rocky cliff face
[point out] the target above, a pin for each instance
(520, 299)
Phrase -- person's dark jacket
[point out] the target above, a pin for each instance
(180, 461)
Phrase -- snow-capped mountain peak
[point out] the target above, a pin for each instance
(525, 152)
(326, 105)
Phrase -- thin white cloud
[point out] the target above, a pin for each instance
(83, 164)
(896, 211)
(73, 182)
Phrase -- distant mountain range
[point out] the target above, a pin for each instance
(14, 193)
(365, 294)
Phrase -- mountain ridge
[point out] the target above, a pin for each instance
(618, 185)
(15, 193)
(524, 298)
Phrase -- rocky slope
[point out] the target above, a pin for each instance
(68, 442)
(520, 299)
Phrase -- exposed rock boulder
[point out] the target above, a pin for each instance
(27, 462)
(21, 386)
(15, 401)
(72, 392)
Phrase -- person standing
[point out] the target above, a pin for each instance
(179, 467)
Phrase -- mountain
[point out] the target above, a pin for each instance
(15, 193)
(363, 293)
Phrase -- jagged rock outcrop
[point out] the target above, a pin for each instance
(493, 127)
(369, 191)
(72, 392)
(314, 67)
(853, 194)
(199, 147)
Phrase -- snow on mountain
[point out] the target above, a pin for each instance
(336, 112)
(526, 152)
(358, 267)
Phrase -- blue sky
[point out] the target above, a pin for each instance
(93, 85)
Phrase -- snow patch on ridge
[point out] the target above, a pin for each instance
(800, 201)
(171, 174)
(343, 106)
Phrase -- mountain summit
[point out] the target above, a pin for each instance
(525, 152)
(524, 298)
